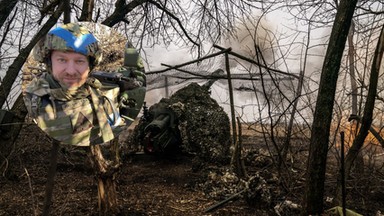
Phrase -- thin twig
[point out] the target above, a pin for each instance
(32, 195)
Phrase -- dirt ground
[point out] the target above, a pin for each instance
(149, 185)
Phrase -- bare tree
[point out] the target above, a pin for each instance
(153, 21)
(319, 14)
(318, 151)
(366, 121)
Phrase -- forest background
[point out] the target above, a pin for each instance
(314, 67)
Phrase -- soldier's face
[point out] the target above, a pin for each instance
(69, 68)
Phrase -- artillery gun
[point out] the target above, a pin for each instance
(190, 122)
(160, 134)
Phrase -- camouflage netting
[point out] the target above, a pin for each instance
(203, 125)
(222, 184)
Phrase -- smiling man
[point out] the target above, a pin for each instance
(70, 69)
(65, 101)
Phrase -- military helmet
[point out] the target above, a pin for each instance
(69, 37)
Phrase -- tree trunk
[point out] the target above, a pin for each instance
(106, 172)
(87, 11)
(314, 190)
(6, 7)
(121, 9)
(287, 142)
(351, 60)
(351, 68)
(237, 163)
(67, 11)
(49, 185)
(368, 109)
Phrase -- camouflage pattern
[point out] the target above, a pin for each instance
(132, 58)
(74, 120)
(133, 67)
(69, 37)
(131, 102)
(93, 113)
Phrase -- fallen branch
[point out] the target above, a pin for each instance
(217, 205)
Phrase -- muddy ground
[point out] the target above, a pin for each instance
(149, 185)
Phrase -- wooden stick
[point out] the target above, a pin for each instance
(50, 177)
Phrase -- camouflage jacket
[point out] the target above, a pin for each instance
(85, 117)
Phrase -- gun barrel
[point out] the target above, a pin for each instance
(158, 124)
(102, 76)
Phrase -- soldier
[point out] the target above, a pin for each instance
(65, 101)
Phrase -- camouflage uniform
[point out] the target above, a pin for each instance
(72, 118)
(85, 116)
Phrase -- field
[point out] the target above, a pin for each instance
(177, 185)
